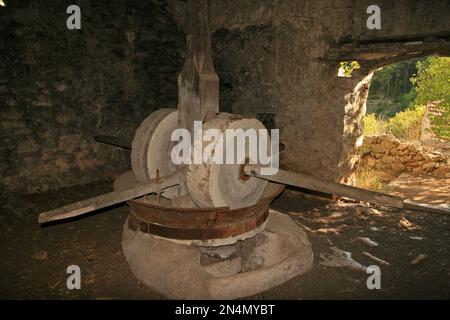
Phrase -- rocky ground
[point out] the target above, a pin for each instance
(413, 245)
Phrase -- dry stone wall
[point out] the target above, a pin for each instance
(386, 153)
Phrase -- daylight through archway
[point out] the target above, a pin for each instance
(406, 144)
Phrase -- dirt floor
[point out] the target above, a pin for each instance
(34, 259)
(422, 188)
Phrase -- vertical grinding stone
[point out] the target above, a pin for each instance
(221, 185)
(151, 148)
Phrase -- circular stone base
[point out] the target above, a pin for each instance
(279, 253)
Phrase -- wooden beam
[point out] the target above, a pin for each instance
(426, 37)
(338, 189)
(198, 83)
(108, 199)
(409, 204)
(342, 190)
(375, 64)
(377, 51)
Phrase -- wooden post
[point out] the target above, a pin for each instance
(198, 83)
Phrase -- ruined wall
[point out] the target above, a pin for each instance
(60, 87)
(270, 58)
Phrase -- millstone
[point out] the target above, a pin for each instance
(151, 148)
(221, 185)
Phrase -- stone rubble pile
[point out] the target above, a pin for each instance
(387, 153)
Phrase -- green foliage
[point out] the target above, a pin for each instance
(374, 126)
(346, 68)
(403, 86)
(433, 84)
(404, 125)
(410, 97)
(393, 81)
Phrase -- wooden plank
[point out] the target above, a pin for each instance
(402, 38)
(313, 183)
(107, 199)
(376, 51)
(409, 204)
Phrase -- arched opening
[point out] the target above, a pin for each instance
(406, 145)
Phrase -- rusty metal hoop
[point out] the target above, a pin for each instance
(200, 223)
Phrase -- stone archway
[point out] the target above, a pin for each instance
(355, 107)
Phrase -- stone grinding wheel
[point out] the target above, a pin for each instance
(221, 185)
(151, 148)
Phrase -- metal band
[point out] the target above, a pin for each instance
(199, 223)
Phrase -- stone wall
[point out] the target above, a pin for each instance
(270, 58)
(60, 87)
(388, 154)
(269, 68)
